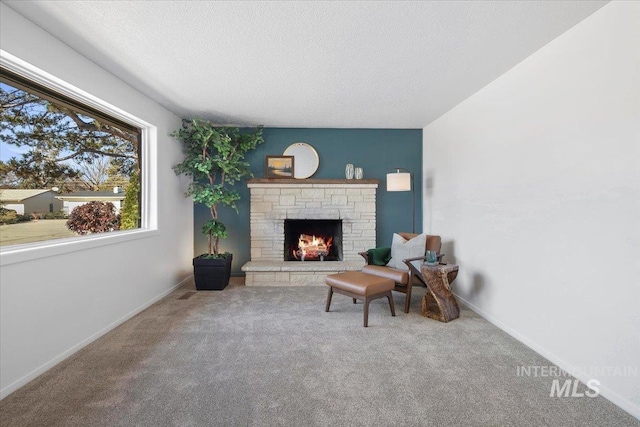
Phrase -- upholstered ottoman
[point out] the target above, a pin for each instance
(360, 286)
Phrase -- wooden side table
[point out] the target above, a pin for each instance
(439, 303)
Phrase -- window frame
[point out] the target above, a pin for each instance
(148, 175)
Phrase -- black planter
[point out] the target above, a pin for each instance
(212, 274)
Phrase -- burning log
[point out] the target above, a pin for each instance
(312, 247)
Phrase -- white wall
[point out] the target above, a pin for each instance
(534, 184)
(19, 208)
(52, 306)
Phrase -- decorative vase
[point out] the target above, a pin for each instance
(359, 173)
(431, 258)
(348, 171)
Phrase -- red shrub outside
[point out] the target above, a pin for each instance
(94, 217)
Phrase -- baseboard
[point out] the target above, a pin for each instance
(624, 404)
(53, 362)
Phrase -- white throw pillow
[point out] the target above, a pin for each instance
(403, 249)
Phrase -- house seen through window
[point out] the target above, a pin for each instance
(66, 169)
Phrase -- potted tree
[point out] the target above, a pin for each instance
(214, 158)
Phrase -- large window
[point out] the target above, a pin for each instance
(67, 167)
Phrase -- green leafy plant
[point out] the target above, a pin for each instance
(8, 216)
(130, 216)
(214, 156)
(55, 215)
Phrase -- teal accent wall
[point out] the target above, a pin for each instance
(377, 151)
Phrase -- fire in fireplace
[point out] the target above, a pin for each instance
(312, 240)
(312, 247)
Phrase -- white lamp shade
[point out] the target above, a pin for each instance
(399, 181)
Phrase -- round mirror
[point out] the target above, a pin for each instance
(306, 160)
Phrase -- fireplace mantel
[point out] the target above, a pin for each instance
(290, 181)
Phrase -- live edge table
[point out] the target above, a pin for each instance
(439, 303)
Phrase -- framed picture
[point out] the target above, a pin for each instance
(278, 167)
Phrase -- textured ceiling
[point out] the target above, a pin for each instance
(308, 64)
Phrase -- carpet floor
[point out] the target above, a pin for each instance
(273, 357)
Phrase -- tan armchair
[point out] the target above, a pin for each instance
(404, 279)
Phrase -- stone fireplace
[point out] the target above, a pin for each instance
(343, 210)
